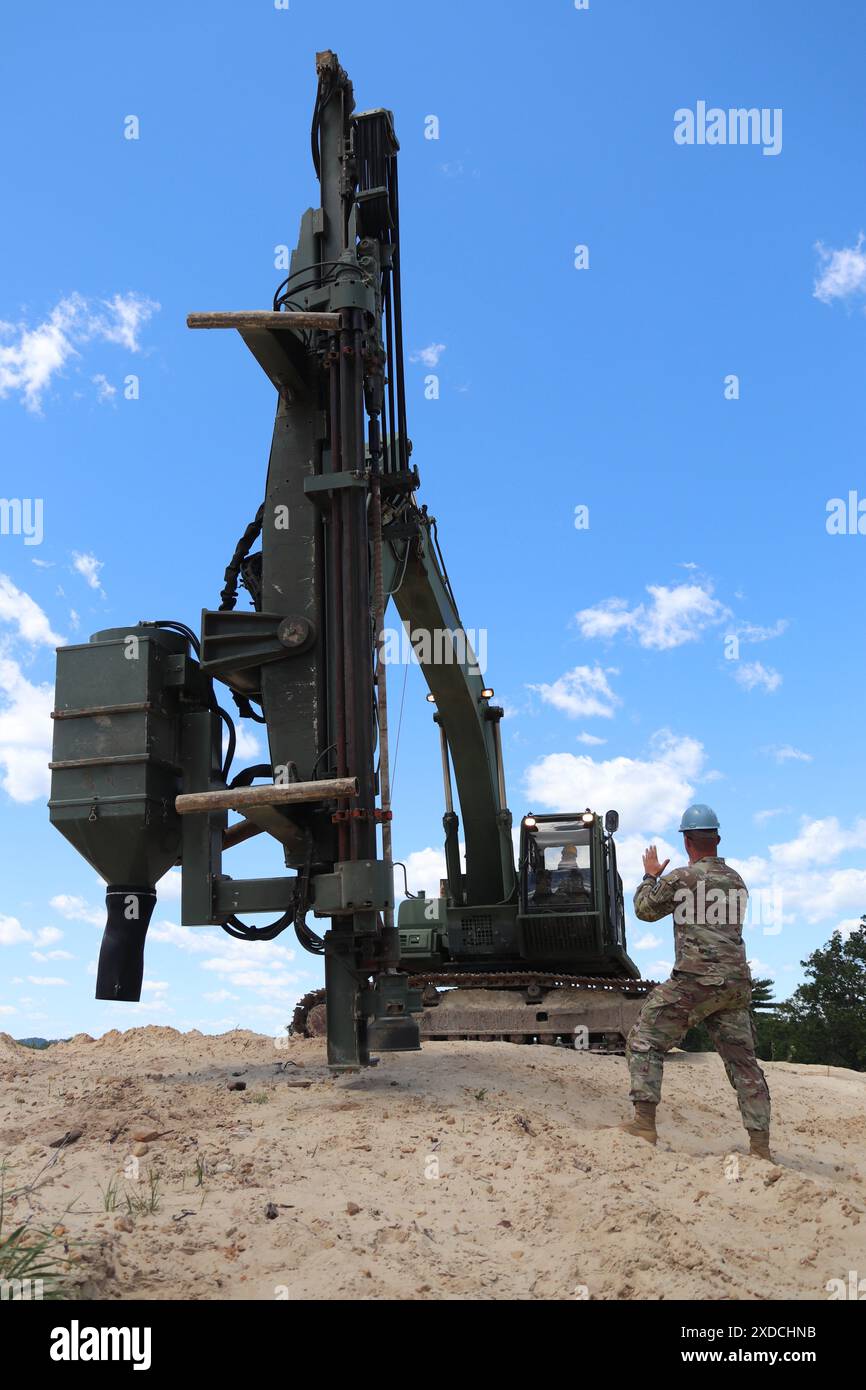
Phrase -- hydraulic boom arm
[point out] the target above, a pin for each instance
(469, 726)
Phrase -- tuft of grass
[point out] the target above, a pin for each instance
(261, 1099)
(109, 1196)
(27, 1254)
(148, 1204)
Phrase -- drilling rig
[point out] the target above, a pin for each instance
(140, 781)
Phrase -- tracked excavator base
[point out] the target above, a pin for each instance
(589, 1013)
(599, 1019)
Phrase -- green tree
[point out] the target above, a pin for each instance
(824, 1021)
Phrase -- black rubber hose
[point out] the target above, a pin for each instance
(233, 739)
(121, 957)
(182, 628)
(243, 932)
(229, 593)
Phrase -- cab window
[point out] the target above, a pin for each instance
(559, 870)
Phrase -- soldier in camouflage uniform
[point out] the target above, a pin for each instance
(710, 979)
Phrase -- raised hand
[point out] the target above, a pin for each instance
(651, 863)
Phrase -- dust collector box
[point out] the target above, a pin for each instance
(116, 765)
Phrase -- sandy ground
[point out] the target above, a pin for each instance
(470, 1170)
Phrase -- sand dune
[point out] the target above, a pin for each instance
(469, 1170)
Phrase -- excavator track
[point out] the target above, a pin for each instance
(512, 1006)
(545, 979)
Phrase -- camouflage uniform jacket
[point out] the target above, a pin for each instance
(708, 901)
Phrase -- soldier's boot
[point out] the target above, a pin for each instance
(759, 1144)
(643, 1126)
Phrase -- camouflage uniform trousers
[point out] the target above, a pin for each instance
(669, 1012)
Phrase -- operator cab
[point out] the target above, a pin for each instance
(571, 908)
(559, 868)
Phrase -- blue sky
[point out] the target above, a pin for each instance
(558, 388)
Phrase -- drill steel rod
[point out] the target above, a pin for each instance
(278, 794)
(381, 668)
(335, 586)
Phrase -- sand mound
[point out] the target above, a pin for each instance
(12, 1053)
(470, 1170)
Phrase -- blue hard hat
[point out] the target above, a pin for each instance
(699, 817)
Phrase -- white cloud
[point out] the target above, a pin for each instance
(843, 272)
(845, 892)
(271, 1011)
(262, 969)
(428, 355)
(629, 857)
(647, 942)
(25, 726)
(581, 693)
(797, 871)
(247, 746)
(28, 364)
(674, 616)
(786, 754)
(195, 940)
(753, 675)
(591, 740)
(761, 817)
(424, 869)
(104, 388)
(245, 969)
(659, 969)
(24, 613)
(760, 969)
(12, 933)
(169, 886)
(649, 793)
(88, 567)
(145, 1006)
(46, 936)
(750, 632)
(25, 733)
(75, 909)
(52, 955)
(126, 315)
(679, 751)
(607, 618)
(755, 869)
(36, 354)
(850, 924)
(819, 842)
(46, 980)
